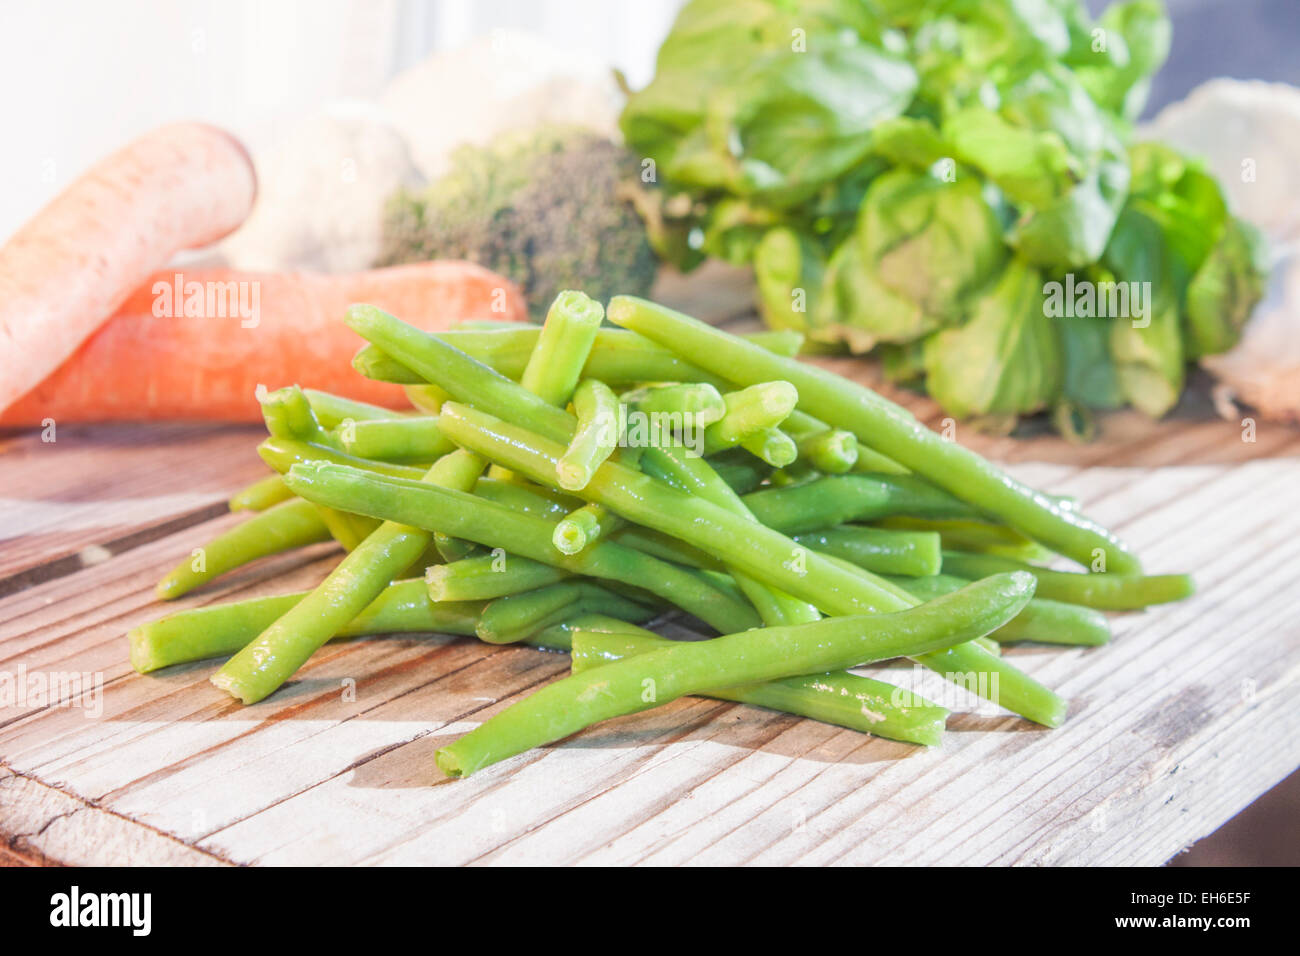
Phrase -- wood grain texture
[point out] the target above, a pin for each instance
(1184, 719)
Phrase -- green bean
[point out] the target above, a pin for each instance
(292, 422)
(761, 406)
(959, 534)
(676, 466)
(426, 398)
(529, 498)
(288, 414)
(220, 630)
(617, 357)
(483, 325)
(768, 556)
(801, 424)
(742, 472)
(284, 527)
(347, 529)
(457, 373)
(282, 648)
(840, 499)
(556, 362)
(1106, 592)
(772, 446)
(832, 451)
(661, 676)
(332, 410)
(597, 435)
(873, 462)
(261, 494)
(785, 342)
(377, 365)
(1043, 621)
(840, 698)
(411, 438)
(887, 427)
(582, 527)
(908, 553)
(563, 345)
(797, 473)
(844, 592)
(489, 576)
(665, 547)
(455, 549)
(283, 453)
(696, 402)
(517, 617)
(261, 667)
(643, 500)
(466, 516)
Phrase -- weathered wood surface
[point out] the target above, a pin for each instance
(1184, 719)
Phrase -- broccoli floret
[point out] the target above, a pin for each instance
(548, 208)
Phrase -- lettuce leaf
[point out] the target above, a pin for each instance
(1225, 289)
(1006, 360)
(902, 174)
(1148, 348)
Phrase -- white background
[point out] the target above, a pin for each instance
(82, 77)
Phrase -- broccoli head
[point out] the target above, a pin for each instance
(548, 208)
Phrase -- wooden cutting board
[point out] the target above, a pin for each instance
(1184, 719)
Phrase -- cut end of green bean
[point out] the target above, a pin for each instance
(450, 764)
(834, 452)
(235, 688)
(572, 476)
(779, 398)
(435, 582)
(578, 307)
(569, 538)
(143, 656)
(772, 446)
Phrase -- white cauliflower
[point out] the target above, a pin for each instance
(502, 82)
(321, 194)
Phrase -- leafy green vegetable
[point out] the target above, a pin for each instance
(1224, 290)
(787, 267)
(1116, 65)
(1006, 360)
(1090, 378)
(912, 175)
(1147, 345)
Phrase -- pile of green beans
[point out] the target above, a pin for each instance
(816, 525)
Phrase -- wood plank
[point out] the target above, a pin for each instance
(1185, 718)
(43, 826)
(95, 491)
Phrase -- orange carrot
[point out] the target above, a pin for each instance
(196, 345)
(69, 268)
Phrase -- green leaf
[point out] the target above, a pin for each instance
(910, 141)
(1136, 37)
(1147, 349)
(799, 120)
(789, 270)
(1030, 167)
(1224, 291)
(1006, 360)
(929, 242)
(767, 97)
(1091, 379)
(1072, 231)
